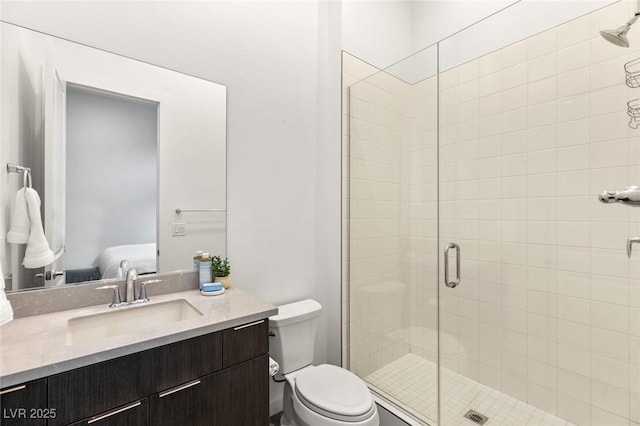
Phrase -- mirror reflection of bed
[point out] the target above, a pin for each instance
(111, 184)
(141, 257)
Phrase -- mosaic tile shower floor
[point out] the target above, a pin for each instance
(411, 379)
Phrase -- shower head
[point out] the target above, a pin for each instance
(619, 35)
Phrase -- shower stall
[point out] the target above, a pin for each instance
(483, 279)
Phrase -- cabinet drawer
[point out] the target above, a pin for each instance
(87, 391)
(245, 342)
(25, 404)
(193, 401)
(180, 362)
(133, 414)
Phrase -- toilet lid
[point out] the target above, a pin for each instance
(334, 392)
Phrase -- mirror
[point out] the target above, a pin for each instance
(128, 159)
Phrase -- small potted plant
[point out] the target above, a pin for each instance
(220, 270)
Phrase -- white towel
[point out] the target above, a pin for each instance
(20, 223)
(6, 312)
(38, 253)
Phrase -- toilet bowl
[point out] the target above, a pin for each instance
(327, 395)
(320, 395)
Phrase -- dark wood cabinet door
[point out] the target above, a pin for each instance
(243, 394)
(245, 342)
(232, 397)
(180, 362)
(134, 414)
(87, 391)
(185, 405)
(25, 404)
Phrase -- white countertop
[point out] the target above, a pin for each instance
(36, 346)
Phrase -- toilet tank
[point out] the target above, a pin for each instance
(292, 334)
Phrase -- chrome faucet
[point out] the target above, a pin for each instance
(130, 282)
(130, 277)
(124, 268)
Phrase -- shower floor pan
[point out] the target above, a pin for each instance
(409, 382)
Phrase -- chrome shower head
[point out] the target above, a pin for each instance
(619, 35)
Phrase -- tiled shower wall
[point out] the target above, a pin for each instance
(379, 126)
(549, 307)
(391, 237)
(422, 210)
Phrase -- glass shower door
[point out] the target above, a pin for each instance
(487, 153)
(392, 232)
(531, 130)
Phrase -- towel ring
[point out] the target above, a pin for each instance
(26, 176)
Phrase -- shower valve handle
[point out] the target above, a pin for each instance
(629, 195)
(630, 243)
(608, 197)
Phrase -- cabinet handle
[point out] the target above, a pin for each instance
(104, 416)
(240, 327)
(17, 388)
(180, 388)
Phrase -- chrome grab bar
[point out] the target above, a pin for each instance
(451, 284)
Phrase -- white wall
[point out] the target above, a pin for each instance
(522, 20)
(110, 139)
(385, 32)
(378, 32)
(435, 20)
(282, 129)
(21, 104)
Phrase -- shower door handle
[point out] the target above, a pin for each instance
(451, 284)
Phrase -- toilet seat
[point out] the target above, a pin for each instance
(335, 393)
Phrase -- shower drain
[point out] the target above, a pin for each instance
(476, 417)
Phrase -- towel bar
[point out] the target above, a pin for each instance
(26, 173)
(14, 168)
(199, 210)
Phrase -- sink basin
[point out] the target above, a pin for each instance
(128, 319)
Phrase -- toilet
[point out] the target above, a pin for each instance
(314, 395)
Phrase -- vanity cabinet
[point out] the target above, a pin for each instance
(230, 397)
(245, 342)
(133, 414)
(24, 404)
(95, 389)
(220, 378)
(236, 395)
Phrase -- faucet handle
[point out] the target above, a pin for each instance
(143, 292)
(116, 294)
